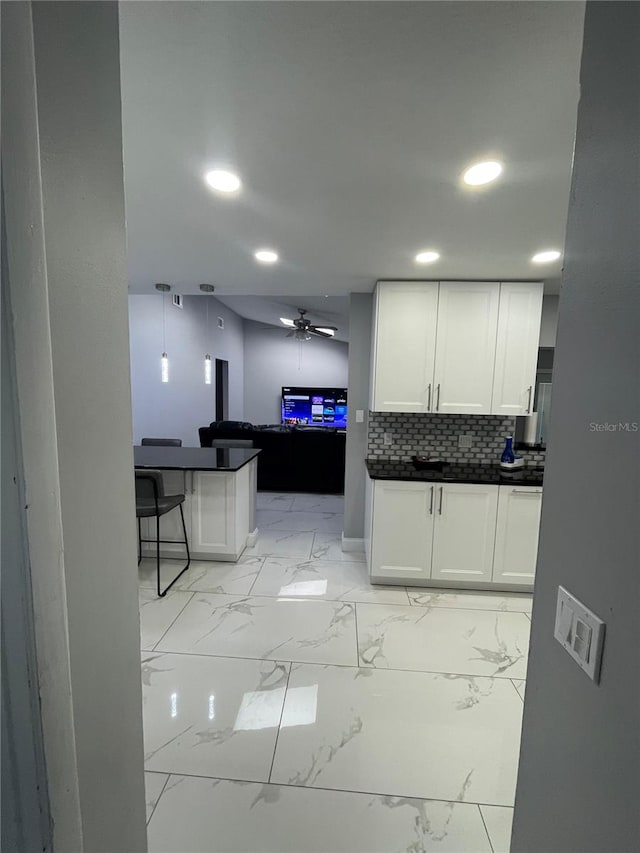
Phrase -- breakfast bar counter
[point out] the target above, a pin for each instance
(219, 485)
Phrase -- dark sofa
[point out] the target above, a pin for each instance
(292, 459)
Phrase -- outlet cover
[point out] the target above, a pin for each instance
(465, 441)
(580, 632)
(387, 439)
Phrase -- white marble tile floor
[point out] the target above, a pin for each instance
(289, 705)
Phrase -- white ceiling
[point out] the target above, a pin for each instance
(330, 310)
(350, 124)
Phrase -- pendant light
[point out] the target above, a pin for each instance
(164, 360)
(207, 288)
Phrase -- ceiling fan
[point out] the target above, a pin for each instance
(302, 329)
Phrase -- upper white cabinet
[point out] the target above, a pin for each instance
(465, 347)
(464, 532)
(455, 347)
(519, 318)
(404, 346)
(517, 535)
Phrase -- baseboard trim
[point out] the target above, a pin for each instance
(349, 544)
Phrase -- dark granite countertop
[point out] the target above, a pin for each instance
(492, 475)
(193, 458)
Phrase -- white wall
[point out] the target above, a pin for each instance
(78, 102)
(35, 392)
(360, 330)
(177, 408)
(579, 772)
(273, 360)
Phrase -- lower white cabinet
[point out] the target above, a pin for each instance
(517, 535)
(402, 529)
(452, 533)
(464, 532)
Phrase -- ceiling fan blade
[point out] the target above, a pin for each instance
(313, 331)
(325, 328)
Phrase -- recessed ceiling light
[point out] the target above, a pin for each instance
(427, 257)
(546, 257)
(222, 181)
(286, 321)
(482, 173)
(266, 256)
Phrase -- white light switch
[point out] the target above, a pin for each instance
(359, 416)
(387, 439)
(580, 632)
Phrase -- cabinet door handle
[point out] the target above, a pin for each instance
(440, 505)
(529, 403)
(429, 398)
(525, 492)
(437, 396)
(431, 502)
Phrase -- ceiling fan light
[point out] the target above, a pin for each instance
(302, 335)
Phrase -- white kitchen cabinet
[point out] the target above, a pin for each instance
(404, 346)
(519, 316)
(465, 347)
(464, 532)
(401, 530)
(517, 529)
(220, 512)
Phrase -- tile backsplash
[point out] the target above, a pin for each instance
(438, 435)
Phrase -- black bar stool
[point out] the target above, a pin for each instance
(151, 501)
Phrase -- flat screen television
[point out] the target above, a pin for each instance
(326, 407)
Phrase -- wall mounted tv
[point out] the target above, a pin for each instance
(326, 407)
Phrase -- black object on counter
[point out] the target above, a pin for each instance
(491, 475)
(426, 463)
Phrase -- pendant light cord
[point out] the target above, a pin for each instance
(164, 332)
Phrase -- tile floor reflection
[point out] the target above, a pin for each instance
(291, 706)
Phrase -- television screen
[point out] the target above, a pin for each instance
(315, 407)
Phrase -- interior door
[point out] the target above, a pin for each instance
(405, 339)
(464, 532)
(466, 347)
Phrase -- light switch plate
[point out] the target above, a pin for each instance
(580, 632)
(359, 416)
(465, 441)
(387, 439)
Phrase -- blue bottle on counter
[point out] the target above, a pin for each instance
(507, 454)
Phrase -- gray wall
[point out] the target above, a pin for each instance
(177, 408)
(360, 325)
(579, 771)
(78, 96)
(273, 360)
(549, 321)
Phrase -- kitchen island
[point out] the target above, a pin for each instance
(219, 485)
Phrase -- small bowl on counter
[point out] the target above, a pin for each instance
(428, 463)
